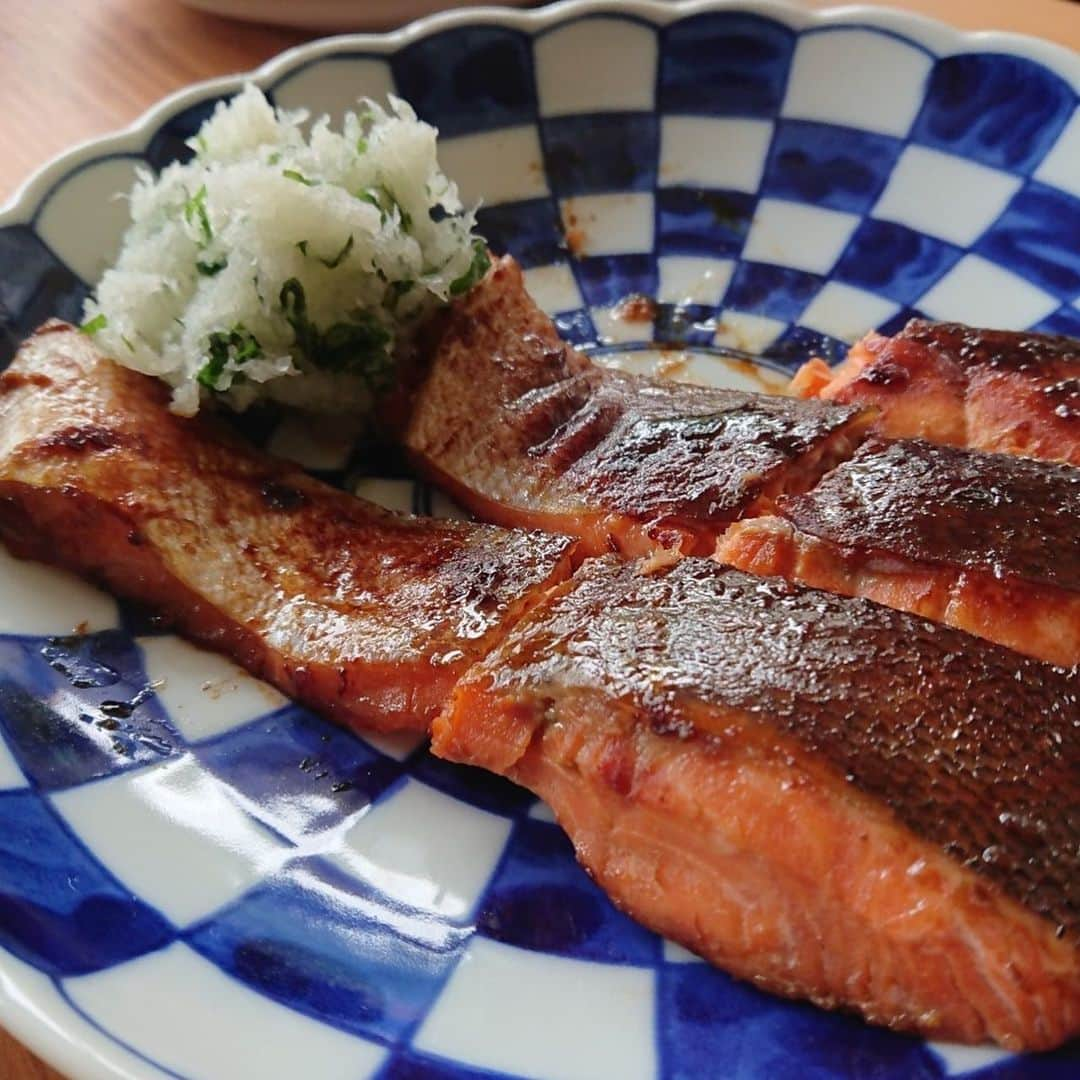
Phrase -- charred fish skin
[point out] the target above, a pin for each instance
(1005, 516)
(525, 431)
(835, 800)
(995, 390)
(987, 543)
(367, 616)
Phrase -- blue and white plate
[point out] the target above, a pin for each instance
(199, 879)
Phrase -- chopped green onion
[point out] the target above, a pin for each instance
(237, 344)
(299, 177)
(92, 326)
(361, 145)
(358, 346)
(406, 219)
(477, 269)
(293, 302)
(369, 197)
(210, 269)
(195, 207)
(336, 261)
(384, 200)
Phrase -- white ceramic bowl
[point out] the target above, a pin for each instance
(194, 893)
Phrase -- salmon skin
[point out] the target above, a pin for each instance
(983, 542)
(998, 390)
(525, 431)
(366, 616)
(837, 801)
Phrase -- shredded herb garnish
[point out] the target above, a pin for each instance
(477, 269)
(195, 208)
(384, 200)
(237, 344)
(336, 261)
(210, 269)
(294, 307)
(369, 197)
(358, 346)
(391, 271)
(406, 219)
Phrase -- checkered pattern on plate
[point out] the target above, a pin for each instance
(204, 880)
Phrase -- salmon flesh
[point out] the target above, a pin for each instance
(997, 390)
(525, 431)
(367, 616)
(837, 801)
(984, 542)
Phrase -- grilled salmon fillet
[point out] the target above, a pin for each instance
(835, 800)
(367, 616)
(1013, 393)
(983, 542)
(525, 431)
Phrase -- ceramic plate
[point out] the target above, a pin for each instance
(197, 878)
(334, 15)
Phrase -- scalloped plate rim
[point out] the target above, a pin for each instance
(93, 1053)
(923, 30)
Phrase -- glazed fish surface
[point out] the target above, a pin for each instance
(984, 542)
(1012, 393)
(834, 800)
(525, 431)
(367, 616)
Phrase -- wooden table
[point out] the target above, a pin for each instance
(79, 69)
